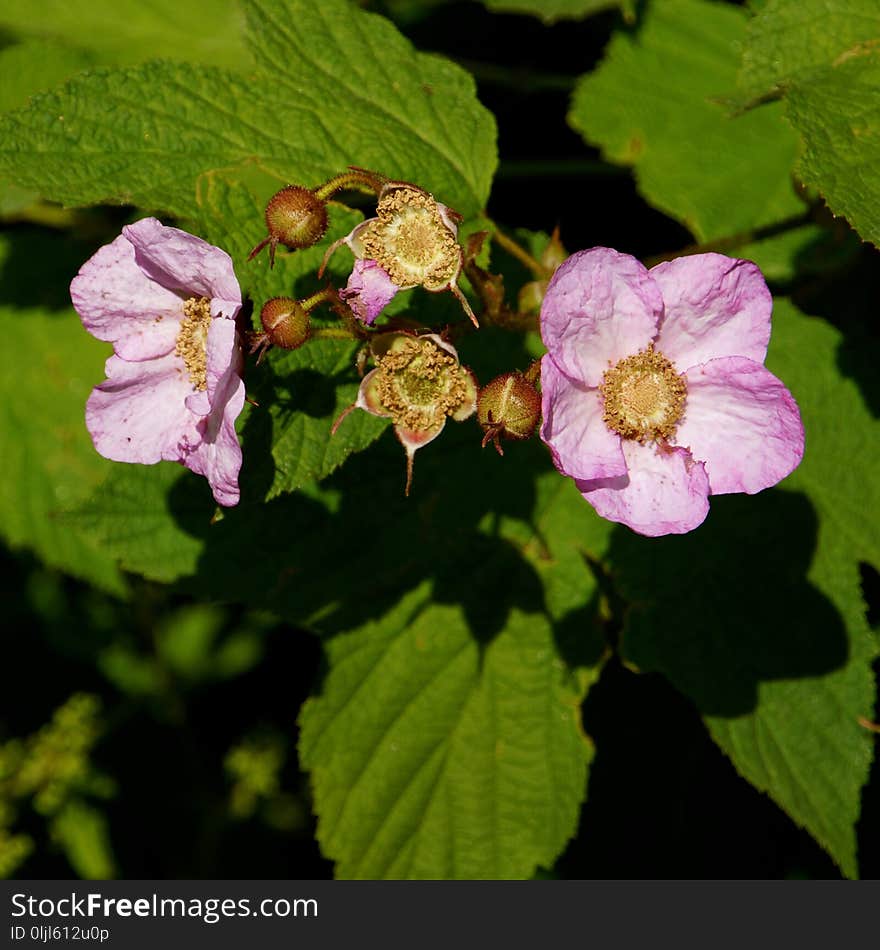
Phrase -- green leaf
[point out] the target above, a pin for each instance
(823, 57)
(445, 742)
(837, 115)
(552, 10)
(654, 104)
(758, 615)
(129, 31)
(35, 66)
(143, 135)
(47, 370)
(151, 518)
(788, 40)
(25, 69)
(436, 756)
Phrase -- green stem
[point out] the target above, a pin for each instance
(733, 241)
(516, 250)
(332, 333)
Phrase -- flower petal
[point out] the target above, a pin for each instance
(600, 306)
(139, 413)
(581, 444)
(369, 290)
(743, 423)
(714, 306)
(218, 455)
(186, 264)
(119, 303)
(665, 491)
(368, 395)
(469, 404)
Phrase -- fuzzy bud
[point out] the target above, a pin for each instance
(508, 407)
(295, 217)
(285, 323)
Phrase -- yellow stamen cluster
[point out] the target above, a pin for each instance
(420, 384)
(643, 397)
(192, 340)
(411, 241)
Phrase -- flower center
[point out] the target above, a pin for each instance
(411, 242)
(192, 340)
(420, 384)
(643, 396)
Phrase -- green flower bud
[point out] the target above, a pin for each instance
(509, 407)
(295, 217)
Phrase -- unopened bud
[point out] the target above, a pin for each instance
(285, 323)
(295, 217)
(508, 408)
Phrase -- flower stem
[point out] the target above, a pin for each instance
(516, 250)
(355, 178)
(733, 241)
(333, 333)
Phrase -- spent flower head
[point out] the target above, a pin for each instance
(412, 241)
(167, 301)
(654, 392)
(418, 383)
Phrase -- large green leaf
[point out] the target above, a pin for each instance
(445, 741)
(758, 616)
(128, 31)
(47, 368)
(823, 57)
(837, 114)
(652, 104)
(788, 40)
(360, 94)
(433, 756)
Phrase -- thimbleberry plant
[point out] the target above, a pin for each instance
(646, 402)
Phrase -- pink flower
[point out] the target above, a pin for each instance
(655, 395)
(418, 383)
(167, 301)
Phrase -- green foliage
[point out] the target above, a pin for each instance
(462, 627)
(49, 462)
(130, 31)
(434, 756)
(792, 42)
(823, 57)
(446, 741)
(758, 617)
(92, 142)
(51, 771)
(654, 104)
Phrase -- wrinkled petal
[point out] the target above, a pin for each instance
(469, 404)
(664, 492)
(119, 303)
(185, 264)
(369, 290)
(450, 218)
(714, 306)
(368, 395)
(581, 444)
(743, 423)
(414, 439)
(139, 413)
(600, 306)
(218, 455)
